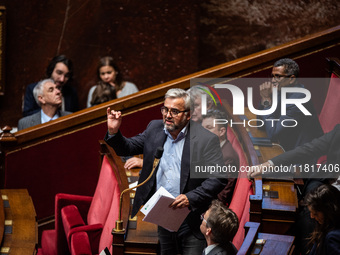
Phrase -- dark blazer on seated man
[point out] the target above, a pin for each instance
(328, 144)
(35, 119)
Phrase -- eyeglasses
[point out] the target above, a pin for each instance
(202, 218)
(173, 112)
(277, 77)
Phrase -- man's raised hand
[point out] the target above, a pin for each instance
(114, 120)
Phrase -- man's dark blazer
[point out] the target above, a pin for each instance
(328, 144)
(34, 119)
(204, 147)
(307, 129)
(218, 250)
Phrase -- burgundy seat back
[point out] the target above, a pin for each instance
(103, 196)
(240, 202)
(112, 216)
(329, 115)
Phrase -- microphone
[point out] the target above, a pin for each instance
(158, 154)
(119, 223)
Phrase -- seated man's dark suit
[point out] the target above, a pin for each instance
(219, 250)
(200, 147)
(328, 144)
(35, 119)
(69, 94)
(307, 129)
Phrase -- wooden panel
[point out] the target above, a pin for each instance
(21, 235)
(2, 219)
(2, 48)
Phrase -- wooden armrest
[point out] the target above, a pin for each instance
(252, 229)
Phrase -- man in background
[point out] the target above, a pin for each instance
(49, 98)
(196, 93)
(60, 69)
(230, 157)
(285, 73)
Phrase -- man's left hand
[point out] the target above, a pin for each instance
(180, 202)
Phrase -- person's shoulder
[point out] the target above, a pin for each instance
(334, 233)
(297, 94)
(64, 113)
(332, 240)
(22, 122)
(197, 129)
(130, 85)
(31, 86)
(24, 119)
(128, 89)
(156, 124)
(32, 116)
(93, 87)
(218, 250)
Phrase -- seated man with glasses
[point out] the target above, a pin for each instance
(219, 226)
(185, 143)
(285, 73)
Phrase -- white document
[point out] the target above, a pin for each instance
(157, 211)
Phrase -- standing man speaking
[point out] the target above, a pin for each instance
(184, 143)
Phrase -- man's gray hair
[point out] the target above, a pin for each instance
(179, 93)
(197, 91)
(39, 89)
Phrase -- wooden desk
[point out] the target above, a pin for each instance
(278, 214)
(277, 244)
(142, 238)
(274, 244)
(20, 226)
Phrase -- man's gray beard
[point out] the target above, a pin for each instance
(171, 128)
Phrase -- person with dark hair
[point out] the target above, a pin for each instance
(230, 157)
(111, 84)
(324, 206)
(285, 73)
(48, 96)
(60, 69)
(219, 226)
